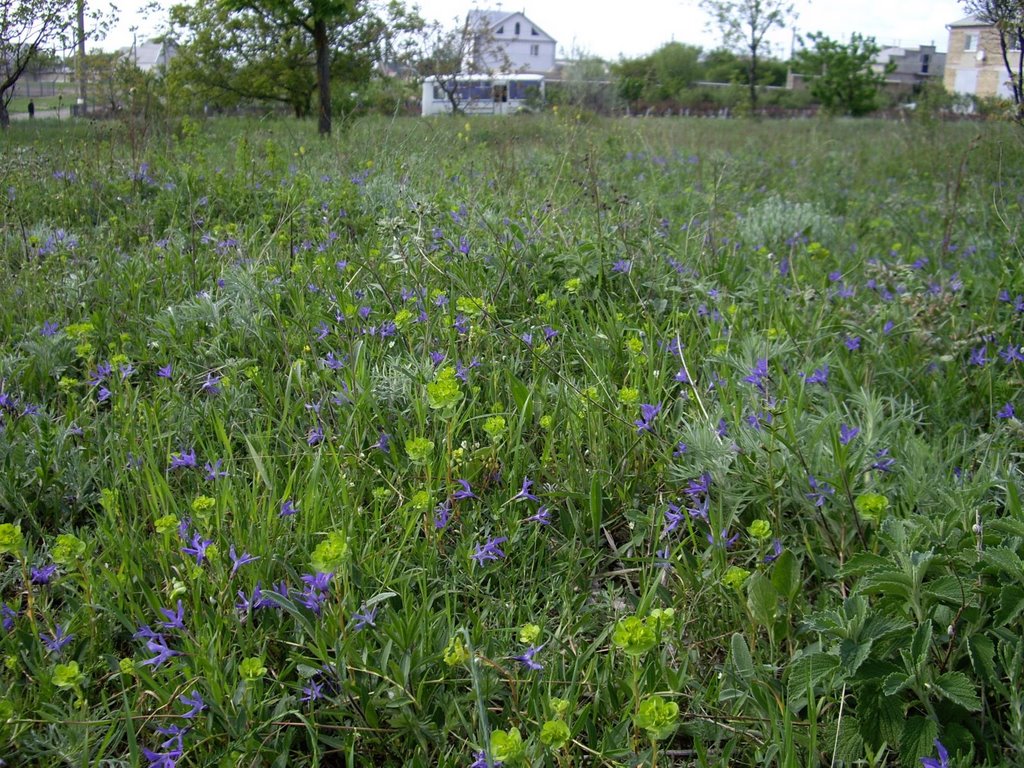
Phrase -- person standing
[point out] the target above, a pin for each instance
(31, 109)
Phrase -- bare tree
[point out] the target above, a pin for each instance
(447, 53)
(744, 24)
(1007, 16)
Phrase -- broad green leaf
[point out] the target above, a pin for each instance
(889, 583)
(863, 563)
(853, 653)
(786, 575)
(1005, 561)
(918, 740)
(895, 683)
(880, 716)
(810, 670)
(1011, 603)
(959, 689)
(741, 658)
(920, 646)
(762, 599)
(1008, 526)
(983, 653)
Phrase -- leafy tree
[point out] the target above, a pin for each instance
(262, 49)
(1008, 18)
(840, 75)
(26, 28)
(744, 24)
(660, 76)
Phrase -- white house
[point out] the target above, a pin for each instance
(974, 64)
(495, 94)
(152, 56)
(509, 42)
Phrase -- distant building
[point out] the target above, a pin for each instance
(974, 64)
(914, 66)
(509, 42)
(153, 56)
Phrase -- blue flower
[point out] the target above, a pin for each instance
(55, 643)
(1006, 412)
(489, 550)
(527, 658)
(42, 576)
(541, 517)
(819, 491)
(175, 618)
(183, 460)
(524, 492)
(158, 646)
(237, 561)
(194, 702)
(364, 618)
(846, 434)
(287, 508)
(465, 493)
(941, 762)
(198, 548)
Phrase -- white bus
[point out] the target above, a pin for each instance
(483, 94)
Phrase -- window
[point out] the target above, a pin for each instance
(535, 50)
(925, 61)
(517, 28)
(971, 41)
(533, 31)
(500, 30)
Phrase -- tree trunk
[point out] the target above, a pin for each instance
(5, 117)
(752, 77)
(323, 75)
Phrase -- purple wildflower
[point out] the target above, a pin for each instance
(819, 491)
(847, 434)
(441, 514)
(287, 508)
(820, 376)
(541, 517)
(49, 329)
(491, 550)
(673, 517)
(175, 618)
(384, 442)
(211, 384)
(55, 643)
(158, 646)
(884, 462)
(315, 436)
(194, 702)
(1006, 412)
(941, 762)
(465, 493)
(364, 618)
(724, 539)
(772, 556)
(42, 576)
(622, 266)
(758, 374)
(979, 356)
(213, 471)
(183, 460)
(683, 376)
(198, 548)
(527, 658)
(8, 615)
(524, 492)
(237, 561)
(852, 343)
(312, 692)
(165, 371)
(648, 413)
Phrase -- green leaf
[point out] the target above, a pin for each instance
(959, 689)
(762, 599)
(741, 658)
(786, 575)
(918, 740)
(852, 654)
(880, 716)
(1007, 526)
(983, 653)
(1011, 603)
(1004, 560)
(920, 646)
(890, 583)
(896, 682)
(810, 670)
(863, 563)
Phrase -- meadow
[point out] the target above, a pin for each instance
(540, 441)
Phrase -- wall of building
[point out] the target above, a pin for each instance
(982, 75)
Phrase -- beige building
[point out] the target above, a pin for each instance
(974, 64)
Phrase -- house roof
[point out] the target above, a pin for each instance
(493, 19)
(968, 21)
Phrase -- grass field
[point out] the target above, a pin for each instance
(540, 441)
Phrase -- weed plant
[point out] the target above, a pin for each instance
(540, 441)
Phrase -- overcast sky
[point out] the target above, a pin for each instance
(640, 26)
